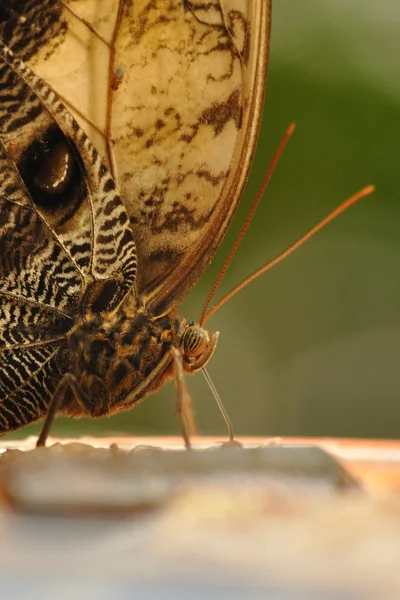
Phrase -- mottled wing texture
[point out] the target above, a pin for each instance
(177, 88)
(55, 250)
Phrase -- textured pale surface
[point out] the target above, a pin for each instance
(224, 537)
(183, 121)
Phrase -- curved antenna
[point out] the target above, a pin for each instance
(335, 213)
(250, 216)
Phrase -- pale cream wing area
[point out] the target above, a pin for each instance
(177, 88)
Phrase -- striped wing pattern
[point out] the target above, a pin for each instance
(50, 256)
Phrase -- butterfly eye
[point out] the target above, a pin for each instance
(195, 341)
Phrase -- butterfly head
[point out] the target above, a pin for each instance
(197, 347)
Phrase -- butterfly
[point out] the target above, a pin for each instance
(127, 132)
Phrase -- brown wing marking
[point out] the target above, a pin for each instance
(186, 120)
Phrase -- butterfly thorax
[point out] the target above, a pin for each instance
(119, 358)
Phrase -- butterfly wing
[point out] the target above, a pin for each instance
(65, 239)
(195, 81)
(177, 87)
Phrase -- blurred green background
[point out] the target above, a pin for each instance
(313, 347)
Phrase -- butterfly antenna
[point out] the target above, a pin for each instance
(335, 213)
(250, 216)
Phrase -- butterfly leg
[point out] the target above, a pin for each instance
(183, 403)
(67, 381)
